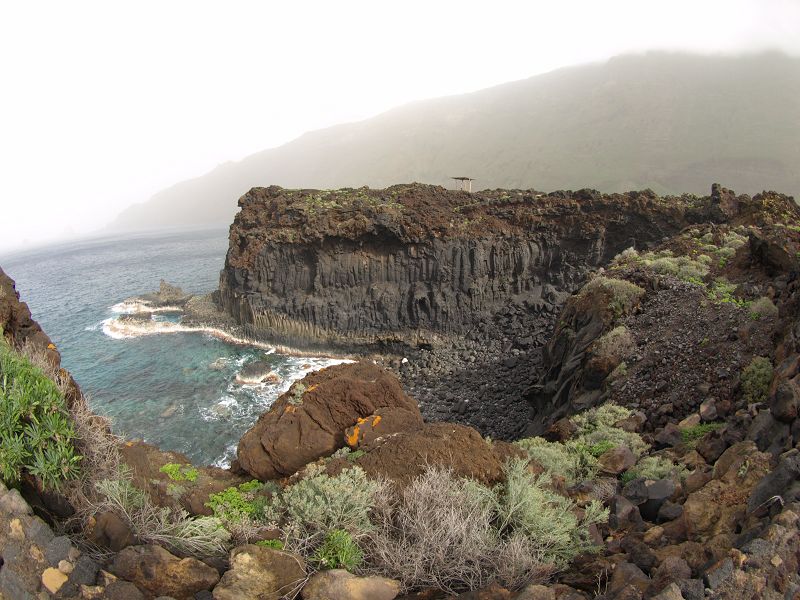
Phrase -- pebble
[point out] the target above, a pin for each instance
(65, 566)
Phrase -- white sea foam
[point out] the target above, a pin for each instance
(120, 330)
(132, 307)
(224, 461)
(225, 408)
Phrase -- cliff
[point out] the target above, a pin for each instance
(411, 263)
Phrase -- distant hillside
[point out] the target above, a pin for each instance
(670, 122)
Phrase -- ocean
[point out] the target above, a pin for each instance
(175, 390)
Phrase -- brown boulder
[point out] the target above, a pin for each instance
(785, 401)
(493, 591)
(385, 421)
(258, 573)
(403, 456)
(309, 421)
(161, 573)
(617, 460)
(720, 505)
(107, 530)
(338, 584)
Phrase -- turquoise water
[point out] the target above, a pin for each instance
(174, 390)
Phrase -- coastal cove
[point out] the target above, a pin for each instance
(163, 389)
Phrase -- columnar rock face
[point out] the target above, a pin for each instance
(410, 261)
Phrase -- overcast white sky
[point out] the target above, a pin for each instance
(104, 103)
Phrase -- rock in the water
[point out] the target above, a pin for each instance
(161, 573)
(338, 584)
(259, 573)
(309, 421)
(259, 371)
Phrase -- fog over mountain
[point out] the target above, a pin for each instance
(670, 122)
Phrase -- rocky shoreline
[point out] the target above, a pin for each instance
(659, 458)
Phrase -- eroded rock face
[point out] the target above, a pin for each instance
(403, 263)
(310, 420)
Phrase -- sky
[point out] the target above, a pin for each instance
(105, 103)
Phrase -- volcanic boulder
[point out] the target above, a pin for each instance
(405, 455)
(309, 420)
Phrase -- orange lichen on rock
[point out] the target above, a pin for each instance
(352, 438)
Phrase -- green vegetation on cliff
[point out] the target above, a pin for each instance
(36, 433)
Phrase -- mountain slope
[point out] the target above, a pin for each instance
(670, 122)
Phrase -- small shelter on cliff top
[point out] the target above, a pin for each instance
(465, 183)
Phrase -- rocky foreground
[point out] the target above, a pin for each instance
(656, 428)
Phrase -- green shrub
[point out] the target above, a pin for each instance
(666, 263)
(234, 504)
(178, 472)
(614, 345)
(338, 551)
(606, 415)
(597, 450)
(346, 452)
(571, 460)
(320, 503)
(721, 292)
(527, 505)
(763, 307)
(691, 435)
(274, 544)
(456, 534)
(756, 379)
(596, 426)
(733, 240)
(620, 371)
(576, 459)
(681, 267)
(656, 467)
(36, 432)
(197, 536)
(624, 294)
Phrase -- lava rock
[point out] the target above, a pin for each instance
(309, 420)
(338, 584)
(259, 573)
(159, 572)
(658, 492)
